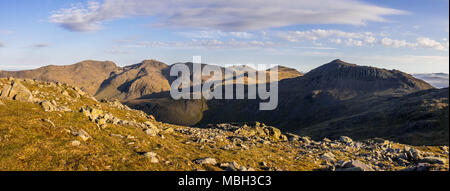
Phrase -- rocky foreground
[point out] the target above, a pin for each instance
(54, 126)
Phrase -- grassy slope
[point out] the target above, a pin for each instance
(29, 143)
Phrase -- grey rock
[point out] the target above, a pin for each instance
(75, 143)
(356, 165)
(16, 91)
(207, 160)
(433, 160)
(152, 157)
(346, 140)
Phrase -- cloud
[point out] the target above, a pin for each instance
(210, 43)
(117, 51)
(6, 32)
(40, 45)
(429, 43)
(421, 42)
(317, 34)
(396, 43)
(226, 15)
(358, 39)
(2, 45)
(214, 34)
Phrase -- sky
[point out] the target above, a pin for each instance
(407, 35)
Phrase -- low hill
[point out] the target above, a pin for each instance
(87, 75)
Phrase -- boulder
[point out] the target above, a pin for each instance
(79, 91)
(433, 160)
(234, 166)
(274, 132)
(306, 140)
(17, 91)
(152, 157)
(92, 113)
(47, 106)
(328, 156)
(75, 143)
(152, 132)
(414, 154)
(150, 124)
(292, 137)
(207, 160)
(346, 140)
(356, 165)
(81, 134)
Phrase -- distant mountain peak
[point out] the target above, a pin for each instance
(345, 76)
(147, 63)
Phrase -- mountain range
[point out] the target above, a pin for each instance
(332, 100)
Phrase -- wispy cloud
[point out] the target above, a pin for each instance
(358, 39)
(430, 43)
(40, 45)
(2, 45)
(117, 51)
(209, 43)
(6, 32)
(226, 15)
(214, 34)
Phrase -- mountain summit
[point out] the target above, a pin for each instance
(342, 76)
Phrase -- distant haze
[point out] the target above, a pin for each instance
(438, 80)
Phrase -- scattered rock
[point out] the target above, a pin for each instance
(292, 137)
(328, 156)
(306, 140)
(380, 141)
(274, 132)
(152, 132)
(233, 166)
(208, 160)
(355, 165)
(75, 143)
(152, 157)
(83, 135)
(47, 106)
(48, 121)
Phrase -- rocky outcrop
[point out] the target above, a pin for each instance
(16, 91)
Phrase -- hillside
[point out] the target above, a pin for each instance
(87, 75)
(335, 99)
(55, 126)
(136, 81)
(379, 102)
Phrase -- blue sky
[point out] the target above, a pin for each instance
(408, 35)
